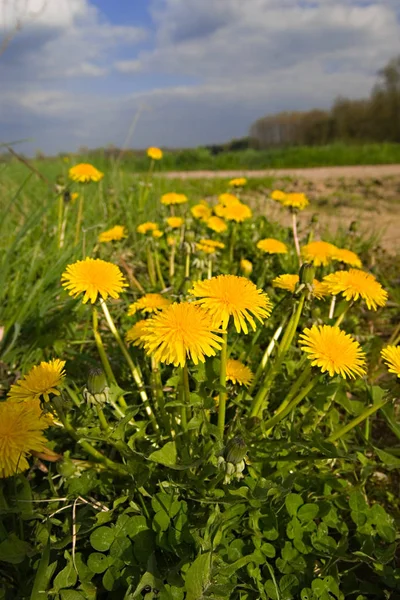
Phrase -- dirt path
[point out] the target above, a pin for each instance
(313, 174)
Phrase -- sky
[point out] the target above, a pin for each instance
(179, 73)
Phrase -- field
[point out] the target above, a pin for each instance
(196, 408)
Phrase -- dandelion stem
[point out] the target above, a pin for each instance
(159, 394)
(222, 382)
(101, 350)
(158, 269)
(150, 267)
(60, 217)
(117, 468)
(295, 235)
(172, 263)
(186, 389)
(134, 369)
(103, 421)
(364, 415)
(232, 242)
(342, 316)
(209, 269)
(290, 331)
(332, 307)
(79, 217)
(279, 416)
(267, 354)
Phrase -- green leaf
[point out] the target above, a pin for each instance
(72, 595)
(286, 585)
(166, 456)
(198, 577)
(42, 578)
(102, 538)
(108, 580)
(358, 507)
(13, 550)
(65, 578)
(97, 562)
(135, 525)
(392, 462)
(307, 512)
(293, 502)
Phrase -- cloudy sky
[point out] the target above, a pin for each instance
(179, 72)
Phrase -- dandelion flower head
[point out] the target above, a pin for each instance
(113, 235)
(21, 432)
(238, 373)
(348, 257)
(173, 198)
(41, 381)
(201, 211)
(333, 351)
(289, 282)
(355, 284)
(175, 222)
(228, 296)
(217, 224)
(391, 357)
(278, 195)
(135, 334)
(93, 277)
(150, 303)
(154, 153)
(238, 182)
(318, 253)
(157, 233)
(84, 173)
(146, 227)
(179, 332)
(237, 212)
(272, 246)
(297, 201)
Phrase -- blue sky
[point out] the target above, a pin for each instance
(180, 72)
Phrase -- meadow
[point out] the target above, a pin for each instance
(198, 387)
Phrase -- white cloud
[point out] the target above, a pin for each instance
(238, 59)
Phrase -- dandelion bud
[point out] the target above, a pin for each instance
(96, 390)
(235, 450)
(96, 381)
(314, 218)
(306, 274)
(246, 266)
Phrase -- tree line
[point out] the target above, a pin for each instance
(373, 119)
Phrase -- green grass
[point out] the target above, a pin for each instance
(338, 154)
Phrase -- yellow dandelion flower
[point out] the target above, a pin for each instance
(41, 381)
(149, 303)
(319, 253)
(289, 283)
(272, 246)
(228, 199)
(135, 334)
(74, 197)
(296, 200)
(201, 211)
(92, 277)
(229, 295)
(237, 212)
(391, 357)
(238, 182)
(238, 373)
(278, 195)
(355, 284)
(213, 243)
(146, 227)
(171, 240)
(206, 248)
(21, 432)
(154, 153)
(333, 351)
(216, 224)
(175, 222)
(179, 332)
(113, 235)
(157, 233)
(173, 198)
(246, 266)
(84, 173)
(219, 210)
(348, 257)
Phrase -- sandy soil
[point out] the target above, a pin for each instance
(314, 173)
